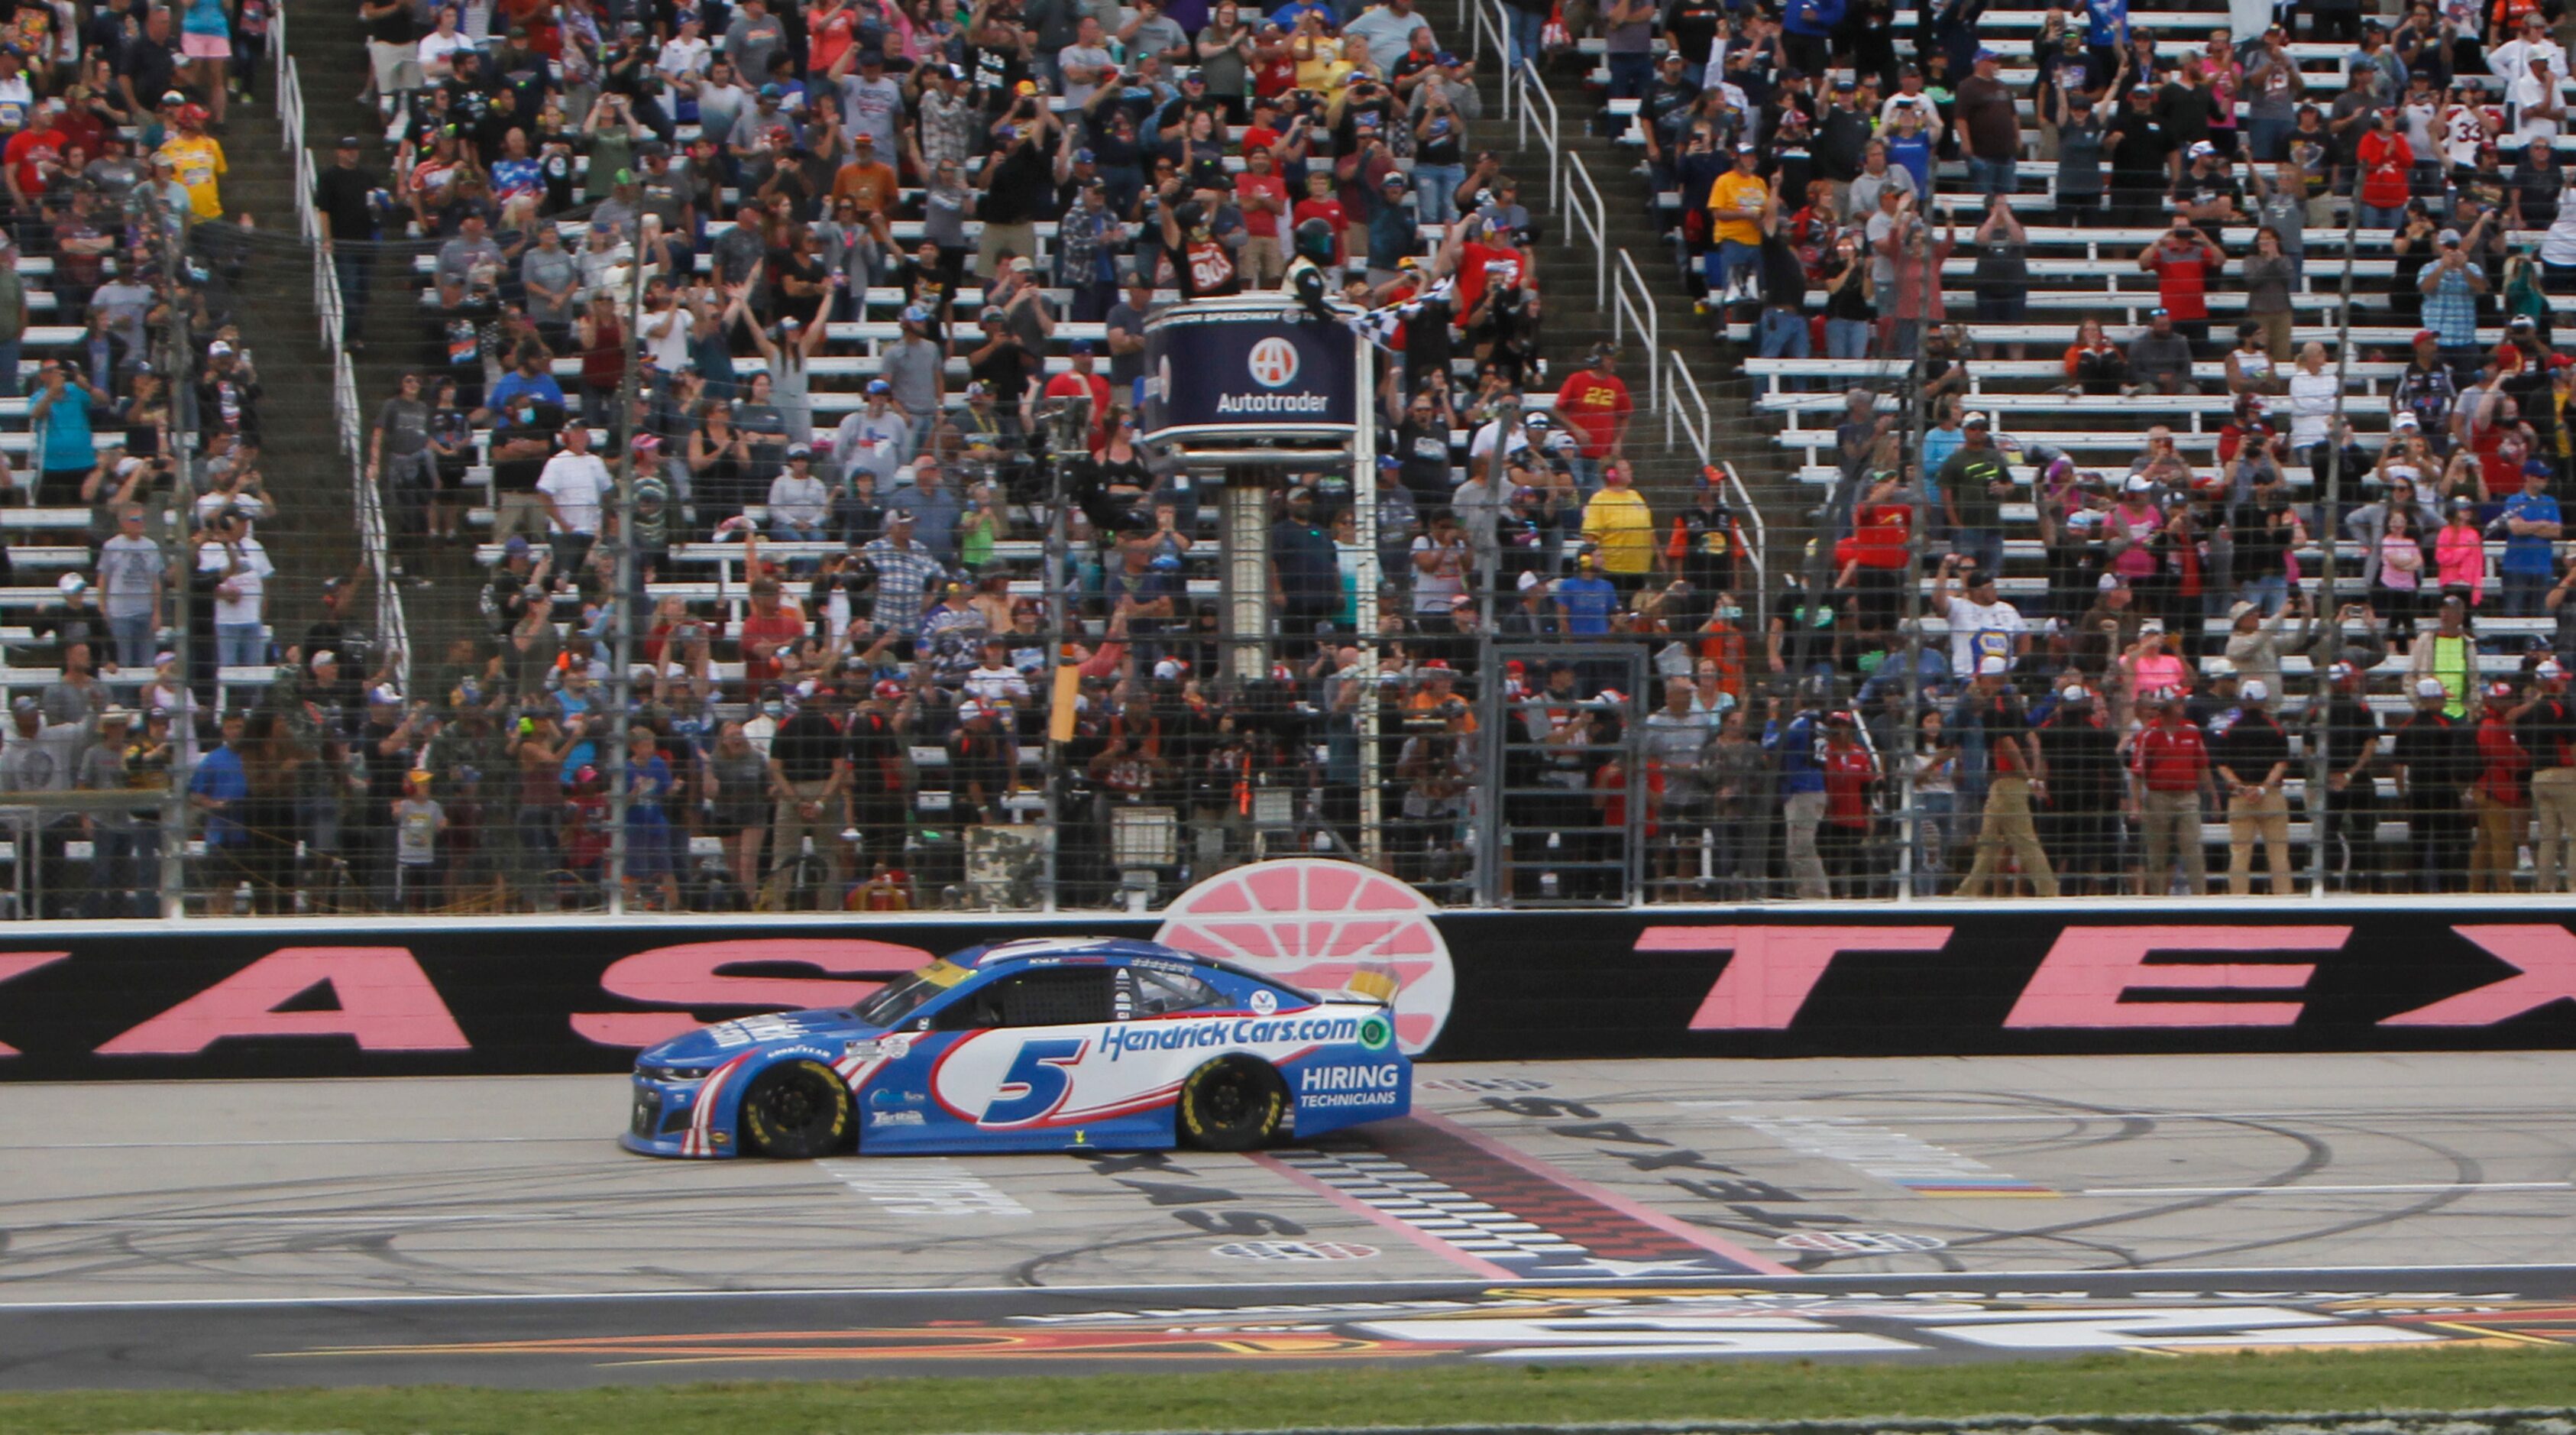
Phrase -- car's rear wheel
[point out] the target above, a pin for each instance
(1234, 1103)
(795, 1111)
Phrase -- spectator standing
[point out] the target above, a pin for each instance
(1595, 404)
(808, 774)
(2183, 259)
(2012, 770)
(2252, 756)
(1989, 128)
(1619, 522)
(2085, 786)
(2546, 729)
(574, 489)
(2530, 521)
(132, 574)
(2497, 795)
(2434, 759)
(1797, 748)
(2170, 770)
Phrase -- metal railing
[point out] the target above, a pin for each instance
(1633, 302)
(374, 537)
(1686, 416)
(1483, 20)
(1538, 105)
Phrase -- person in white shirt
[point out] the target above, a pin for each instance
(2512, 60)
(798, 501)
(438, 50)
(241, 591)
(2539, 105)
(1982, 625)
(994, 680)
(687, 53)
(573, 487)
(129, 579)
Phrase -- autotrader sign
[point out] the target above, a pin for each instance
(1247, 368)
(511, 995)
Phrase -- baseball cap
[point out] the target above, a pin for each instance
(2523, 323)
(1079, 346)
(2430, 688)
(2139, 483)
(2549, 669)
(1445, 57)
(2201, 148)
(2448, 236)
(2339, 671)
(1992, 666)
(2254, 691)
(349, 142)
(1984, 55)
(798, 450)
(915, 314)
(2427, 336)
(384, 693)
(324, 657)
(2500, 691)
(1084, 156)
(888, 691)
(899, 515)
(879, 386)
(24, 704)
(71, 583)
(1976, 421)
(1531, 580)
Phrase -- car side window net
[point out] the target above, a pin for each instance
(1061, 997)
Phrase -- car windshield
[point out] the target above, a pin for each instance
(899, 999)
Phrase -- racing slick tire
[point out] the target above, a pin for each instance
(795, 1111)
(1234, 1103)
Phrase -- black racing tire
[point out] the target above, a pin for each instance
(796, 1111)
(1234, 1103)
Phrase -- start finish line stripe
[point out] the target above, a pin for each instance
(1495, 1210)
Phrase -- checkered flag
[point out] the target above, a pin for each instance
(1379, 326)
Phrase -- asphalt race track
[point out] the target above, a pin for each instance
(488, 1231)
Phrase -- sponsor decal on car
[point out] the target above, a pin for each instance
(898, 1116)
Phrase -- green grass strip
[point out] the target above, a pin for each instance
(1237, 1398)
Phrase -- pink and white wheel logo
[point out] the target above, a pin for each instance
(1315, 923)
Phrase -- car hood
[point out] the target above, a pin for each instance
(717, 1044)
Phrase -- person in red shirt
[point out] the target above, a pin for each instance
(1843, 840)
(30, 151)
(1081, 382)
(1263, 197)
(2182, 259)
(2497, 796)
(2169, 769)
(1595, 404)
(1319, 203)
(830, 31)
(1481, 263)
(771, 625)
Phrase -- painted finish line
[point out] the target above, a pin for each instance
(541, 1341)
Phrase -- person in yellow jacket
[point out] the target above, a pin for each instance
(197, 162)
(1734, 207)
(1620, 524)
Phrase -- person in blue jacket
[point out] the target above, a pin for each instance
(1806, 38)
(1794, 747)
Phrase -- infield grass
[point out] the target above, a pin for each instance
(1241, 1399)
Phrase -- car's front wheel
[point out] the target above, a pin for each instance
(795, 1111)
(1234, 1103)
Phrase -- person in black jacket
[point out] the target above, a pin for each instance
(2435, 756)
(2252, 756)
(2350, 731)
(2086, 780)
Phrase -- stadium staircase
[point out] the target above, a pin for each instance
(313, 536)
(1630, 221)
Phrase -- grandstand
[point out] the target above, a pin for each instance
(670, 661)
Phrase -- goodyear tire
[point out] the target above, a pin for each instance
(1233, 1103)
(795, 1111)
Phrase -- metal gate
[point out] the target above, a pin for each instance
(1563, 821)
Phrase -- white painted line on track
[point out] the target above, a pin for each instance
(2238, 1278)
(1911, 1116)
(2388, 1190)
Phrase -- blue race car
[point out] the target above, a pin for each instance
(1042, 1045)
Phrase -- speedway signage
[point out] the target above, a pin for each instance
(508, 995)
